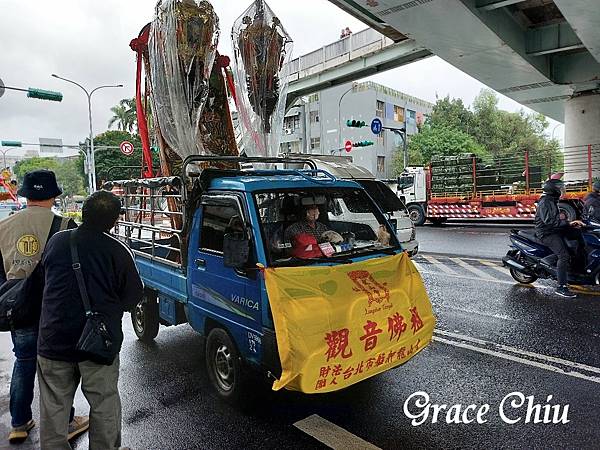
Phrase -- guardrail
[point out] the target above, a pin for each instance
(339, 52)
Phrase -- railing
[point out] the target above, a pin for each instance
(153, 220)
(339, 52)
(514, 175)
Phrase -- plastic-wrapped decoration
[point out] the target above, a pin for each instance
(262, 51)
(182, 48)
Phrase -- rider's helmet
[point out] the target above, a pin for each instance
(554, 188)
(596, 186)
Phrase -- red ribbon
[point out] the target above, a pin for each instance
(140, 45)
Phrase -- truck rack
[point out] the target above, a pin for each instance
(155, 209)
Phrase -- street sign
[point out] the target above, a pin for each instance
(376, 126)
(126, 148)
(48, 145)
(348, 146)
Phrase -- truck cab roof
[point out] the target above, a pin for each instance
(275, 180)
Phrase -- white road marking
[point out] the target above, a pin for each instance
(462, 277)
(332, 435)
(507, 348)
(480, 273)
(524, 361)
(442, 266)
(494, 266)
(417, 265)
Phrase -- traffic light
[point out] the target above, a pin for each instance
(356, 123)
(362, 143)
(44, 95)
(11, 143)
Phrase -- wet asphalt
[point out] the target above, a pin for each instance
(493, 338)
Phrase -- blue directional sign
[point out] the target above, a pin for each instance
(376, 126)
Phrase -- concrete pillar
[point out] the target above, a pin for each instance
(582, 128)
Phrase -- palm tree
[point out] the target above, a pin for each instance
(124, 115)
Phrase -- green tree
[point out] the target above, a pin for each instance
(68, 177)
(31, 164)
(487, 131)
(124, 115)
(440, 140)
(112, 156)
(451, 113)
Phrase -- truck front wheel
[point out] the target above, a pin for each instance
(144, 318)
(416, 214)
(224, 365)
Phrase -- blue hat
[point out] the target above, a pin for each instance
(39, 185)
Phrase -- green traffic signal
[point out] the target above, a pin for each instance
(356, 123)
(363, 143)
(11, 143)
(44, 95)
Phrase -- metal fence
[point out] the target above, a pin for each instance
(357, 44)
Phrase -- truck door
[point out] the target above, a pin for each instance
(230, 296)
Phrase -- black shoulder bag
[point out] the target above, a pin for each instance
(21, 300)
(95, 343)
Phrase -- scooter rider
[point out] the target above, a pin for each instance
(591, 203)
(552, 230)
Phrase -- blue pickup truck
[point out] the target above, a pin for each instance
(200, 242)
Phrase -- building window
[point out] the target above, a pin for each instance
(291, 123)
(381, 138)
(381, 164)
(411, 115)
(314, 117)
(315, 143)
(380, 112)
(398, 114)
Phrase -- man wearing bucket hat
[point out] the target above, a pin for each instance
(23, 237)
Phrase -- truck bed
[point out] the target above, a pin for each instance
(166, 279)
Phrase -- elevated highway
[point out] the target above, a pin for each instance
(544, 54)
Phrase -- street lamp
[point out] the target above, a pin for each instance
(91, 160)
(4, 152)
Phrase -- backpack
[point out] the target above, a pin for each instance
(21, 300)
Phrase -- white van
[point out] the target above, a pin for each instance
(342, 167)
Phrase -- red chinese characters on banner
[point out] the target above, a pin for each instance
(370, 336)
(416, 321)
(337, 342)
(328, 375)
(396, 326)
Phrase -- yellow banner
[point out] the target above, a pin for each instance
(337, 325)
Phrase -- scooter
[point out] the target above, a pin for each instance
(529, 258)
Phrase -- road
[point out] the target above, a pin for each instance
(493, 338)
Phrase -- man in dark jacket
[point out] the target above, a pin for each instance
(552, 230)
(22, 240)
(591, 203)
(114, 286)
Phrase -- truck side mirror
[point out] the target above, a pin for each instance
(236, 250)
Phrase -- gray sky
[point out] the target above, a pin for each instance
(88, 41)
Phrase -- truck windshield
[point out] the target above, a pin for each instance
(302, 227)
